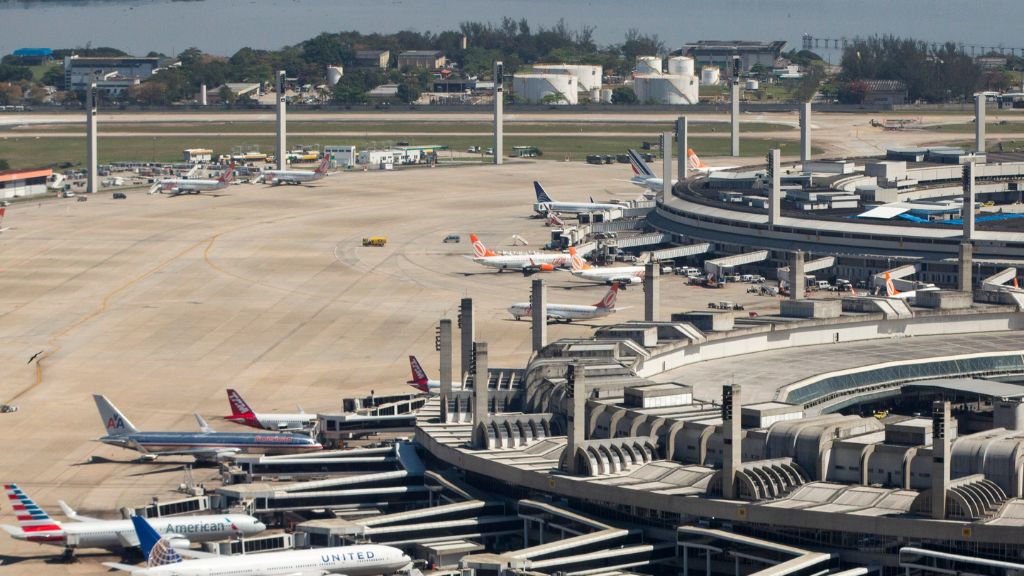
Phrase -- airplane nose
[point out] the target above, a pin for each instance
(260, 526)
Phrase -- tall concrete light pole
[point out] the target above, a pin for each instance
(92, 163)
(282, 136)
(499, 103)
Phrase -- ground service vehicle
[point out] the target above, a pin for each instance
(375, 241)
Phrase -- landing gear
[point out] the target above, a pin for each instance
(68, 556)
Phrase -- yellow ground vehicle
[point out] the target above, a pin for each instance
(375, 241)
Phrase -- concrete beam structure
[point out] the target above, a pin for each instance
(979, 123)
(577, 413)
(467, 336)
(797, 284)
(775, 181)
(941, 453)
(967, 211)
(499, 105)
(539, 321)
(282, 131)
(652, 294)
(735, 117)
(202, 95)
(480, 378)
(445, 345)
(965, 262)
(91, 158)
(805, 132)
(732, 439)
(682, 139)
(666, 165)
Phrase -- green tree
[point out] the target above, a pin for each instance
(4, 164)
(226, 95)
(54, 77)
(409, 91)
(553, 98)
(10, 94)
(12, 73)
(624, 95)
(638, 44)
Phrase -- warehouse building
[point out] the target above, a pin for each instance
(372, 58)
(18, 183)
(429, 59)
(110, 74)
(719, 53)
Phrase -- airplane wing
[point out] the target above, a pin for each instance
(128, 539)
(70, 513)
(199, 452)
(122, 567)
(196, 554)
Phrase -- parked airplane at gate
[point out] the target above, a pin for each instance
(278, 177)
(178, 186)
(204, 445)
(570, 312)
(421, 381)
(527, 263)
(606, 274)
(643, 176)
(35, 525)
(241, 413)
(546, 205)
(164, 560)
(697, 165)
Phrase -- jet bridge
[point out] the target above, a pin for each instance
(810, 266)
(677, 252)
(718, 265)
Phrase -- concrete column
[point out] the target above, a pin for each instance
(202, 95)
(966, 281)
(539, 316)
(979, 122)
(941, 443)
(967, 212)
(805, 132)
(282, 131)
(499, 105)
(91, 158)
(445, 337)
(652, 296)
(797, 284)
(735, 116)
(577, 417)
(467, 336)
(775, 192)
(480, 378)
(683, 139)
(732, 434)
(666, 165)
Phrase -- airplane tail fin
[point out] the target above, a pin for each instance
(608, 302)
(114, 421)
(695, 162)
(322, 168)
(419, 376)
(639, 166)
(577, 262)
(542, 196)
(202, 423)
(890, 288)
(158, 551)
(239, 407)
(479, 250)
(36, 525)
(229, 175)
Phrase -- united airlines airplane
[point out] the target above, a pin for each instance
(204, 445)
(35, 525)
(165, 560)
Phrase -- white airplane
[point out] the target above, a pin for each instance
(892, 292)
(241, 413)
(421, 381)
(546, 205)
(278, 177)
(698, 165)
(162, 559)
(35, 525)
(2, 212)
(643, 176)
(178, 186)
(606, 274)
(570, 312)
(526, 263)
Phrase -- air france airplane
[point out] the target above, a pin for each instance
(164, 560)
(570, 312)
(241, 413)
(205, 445)
(35, 525)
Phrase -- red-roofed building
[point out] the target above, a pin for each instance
(16, 183)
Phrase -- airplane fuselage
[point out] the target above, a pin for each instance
(365, 560)
(572, 207)
(561, 311)
(521, 261)
(119, 534)
(247, 442)
(184, 185)
(624, 274)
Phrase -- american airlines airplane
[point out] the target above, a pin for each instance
(526, 263)
(421, 381)
(546, 205)
(204, 445)
(177, 186)
(241, 413)
(278, 177)
(35, 525)
(165, 560)
(570, 312)
(606, 274)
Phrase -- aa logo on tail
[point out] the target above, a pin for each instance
(115, 422)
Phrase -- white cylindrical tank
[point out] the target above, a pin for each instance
(588, 77)
(535, 87)
(752, 84)
(334, 74)
(666, 89)
(606, 95)
(680, 66)
(595, 95)
(710, 76)
(648, 65)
